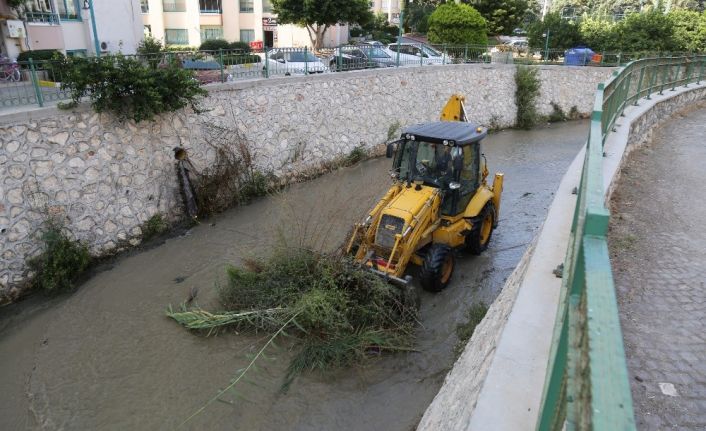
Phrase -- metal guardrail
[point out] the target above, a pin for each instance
(41, 80)
(587, 385)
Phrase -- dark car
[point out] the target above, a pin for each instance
(359, 57)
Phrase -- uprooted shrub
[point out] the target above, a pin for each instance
(337, 312)
(130, 87)
(61, 261)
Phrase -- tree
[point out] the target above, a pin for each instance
(416, 15)
(502, 16)
(689, 29)
(457, 24)
(599, 34)
(648, 31)
(381, 30)
(318, 15)
(563, 33)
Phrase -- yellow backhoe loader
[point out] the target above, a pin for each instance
(439, 202)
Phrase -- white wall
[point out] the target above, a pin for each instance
(118, 21)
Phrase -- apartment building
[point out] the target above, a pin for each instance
(391, 8)
(66, 25)
(191, 22)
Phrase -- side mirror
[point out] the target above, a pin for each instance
(390, 151)
(453, 185)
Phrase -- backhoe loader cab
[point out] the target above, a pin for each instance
(439, 202)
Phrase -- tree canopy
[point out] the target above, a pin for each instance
(563, 33)
(502, 16)
(318, 15)
(457, 24)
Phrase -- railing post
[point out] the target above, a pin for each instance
(619, 56)
(267, 65)
(676, 76)
(339, 58)
(35, 83)
(690, 68)
(639, 86)
(653, 77)
(306, 60)
(220, 55)
(465, 54)
(421, 56)
(443, 57)
(664, 76)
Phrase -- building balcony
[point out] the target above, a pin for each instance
(42, 18)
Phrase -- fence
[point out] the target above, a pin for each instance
(41, 80)
(587, 384)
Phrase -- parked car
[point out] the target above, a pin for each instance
(205, 71)
(293, 62)
(515, 45)
(360, 57)
(415, 53)
(519, 32)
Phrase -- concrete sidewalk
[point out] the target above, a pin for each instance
(658, 250)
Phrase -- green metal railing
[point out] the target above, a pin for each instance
(587, 386)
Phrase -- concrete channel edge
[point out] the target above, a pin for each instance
(497, 382)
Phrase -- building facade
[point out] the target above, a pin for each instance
(66, 25)
(391, 8)
(191, 22)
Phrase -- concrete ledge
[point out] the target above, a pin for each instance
(498, 381)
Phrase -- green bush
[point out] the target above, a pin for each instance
(689, 30)
(526, 93)
(150, 46)
(39, 55)
(153, 227)
(381, 30)
(457, 24)
(61, 262)
(464, 331)
(214, 45)
(356, 32)
(128, 87)
(243, 46)
(648, 31)
(599, 35)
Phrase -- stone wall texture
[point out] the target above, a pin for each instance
(106, 177)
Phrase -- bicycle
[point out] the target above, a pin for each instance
(9, 70)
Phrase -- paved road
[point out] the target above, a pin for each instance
(658, 246)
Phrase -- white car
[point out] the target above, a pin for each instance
(415, 54)
(293, 61)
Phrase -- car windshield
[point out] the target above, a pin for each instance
(377, 53)
(433, 163)
(300, 57)
(431, 52)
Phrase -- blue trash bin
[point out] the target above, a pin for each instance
(579, 56)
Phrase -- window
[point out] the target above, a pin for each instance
(77, 53)
(68, 9)
(145, 6)
(176, 36)
(247, 35)
(209, 32)
(266, 6)
(246, 6)
(174, 5)
(210, 6)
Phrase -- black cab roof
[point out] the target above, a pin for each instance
(460, 132)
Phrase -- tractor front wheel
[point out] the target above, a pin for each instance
(477, 241)
(437, 268)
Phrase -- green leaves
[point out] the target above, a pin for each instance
(129, 87)
(502, 16)
(457, 24)
(526, 93)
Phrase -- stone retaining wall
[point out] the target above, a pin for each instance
(108, 177)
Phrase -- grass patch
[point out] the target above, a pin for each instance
(464, 331)
(153, 227)
(61, 261)
(336, 312)
(574, 113)
(393, 130)
(526, 93)
(357, 154)
(625, 242)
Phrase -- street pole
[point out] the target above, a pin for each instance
(399, 35)
(88, 4)
(546, 47)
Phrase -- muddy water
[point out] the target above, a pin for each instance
(105, 357)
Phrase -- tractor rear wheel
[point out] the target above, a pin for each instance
(477, 241)
(437, 268)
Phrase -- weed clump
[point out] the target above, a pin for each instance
(526, 94)
(465, 330)
(337, 312)
(356, 155)
(557, 115)
(153, 227)
(61, 262)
